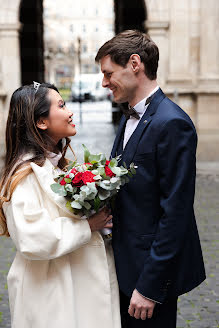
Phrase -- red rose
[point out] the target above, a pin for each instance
(77, 181)
(88, 176)
(62, 182)
(74, 171)
(88, 164)
(108, 171)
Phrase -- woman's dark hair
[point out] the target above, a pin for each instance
(129, 42)
(27, 106)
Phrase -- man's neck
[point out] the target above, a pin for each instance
(143, 91)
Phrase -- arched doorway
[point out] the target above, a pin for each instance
(31, 41)
(130, 14)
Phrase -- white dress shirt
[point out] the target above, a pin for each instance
(132, 122)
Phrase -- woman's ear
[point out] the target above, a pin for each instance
(42, 124)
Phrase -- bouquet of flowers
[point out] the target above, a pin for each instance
(93, 184)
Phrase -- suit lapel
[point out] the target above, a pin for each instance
(146, 119)
(45, 178)
(118, 136)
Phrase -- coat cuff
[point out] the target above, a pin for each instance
(148, 298)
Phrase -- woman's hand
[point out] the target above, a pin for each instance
(100, 220)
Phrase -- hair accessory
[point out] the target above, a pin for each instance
(36, 85)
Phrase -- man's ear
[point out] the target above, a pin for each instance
(135, 60)
(42, 123)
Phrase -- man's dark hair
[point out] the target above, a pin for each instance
(129, 42)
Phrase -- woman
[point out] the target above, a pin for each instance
(63, 274)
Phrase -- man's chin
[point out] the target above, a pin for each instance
(119, 100)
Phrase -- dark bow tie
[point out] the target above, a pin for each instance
(130, 111)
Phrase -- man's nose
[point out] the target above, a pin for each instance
(105, 83)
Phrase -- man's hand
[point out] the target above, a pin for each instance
(140, 307)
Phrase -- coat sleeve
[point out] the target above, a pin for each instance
(37, 235)
(177, 170)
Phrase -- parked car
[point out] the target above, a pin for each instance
(88, 87)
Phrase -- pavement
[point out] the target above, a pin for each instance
(198, 308)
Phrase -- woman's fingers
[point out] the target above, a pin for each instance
(109, 223)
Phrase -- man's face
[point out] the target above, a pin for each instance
(121, 80)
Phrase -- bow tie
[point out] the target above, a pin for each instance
(130, 111)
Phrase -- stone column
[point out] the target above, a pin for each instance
(157, 25)
(10, 69)
(208, 82)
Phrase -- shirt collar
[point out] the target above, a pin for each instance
(140, 106)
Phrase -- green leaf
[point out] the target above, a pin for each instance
(133, 171)
(68, 205)
(94, 158)
(113, 163)
(97, 203)
(104, 194)
(87, 205)
(76, 205)
(67, 180)
(86, 154)
(58, 189)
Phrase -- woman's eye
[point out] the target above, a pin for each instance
(62, 105)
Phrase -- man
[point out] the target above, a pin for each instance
(155, 240)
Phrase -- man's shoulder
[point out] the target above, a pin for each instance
(170, 111)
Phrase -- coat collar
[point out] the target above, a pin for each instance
(118, 135)
(146, 119)
(45, 178)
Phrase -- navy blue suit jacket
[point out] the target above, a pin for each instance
(155, 238)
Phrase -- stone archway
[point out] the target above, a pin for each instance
(31, 41)
(130, 14)
(10, 58)
(21, 27)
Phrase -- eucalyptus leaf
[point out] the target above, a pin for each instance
(97, 203)
(58, 189)
(133, 171)
(94, 158)
(104, 194)
(87, 205)
(117, 171)
(86, 154)
(76, 205)
(113, 163)
(69, 188)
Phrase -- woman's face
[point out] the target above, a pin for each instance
(59, 123)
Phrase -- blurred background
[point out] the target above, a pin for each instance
(56, 41)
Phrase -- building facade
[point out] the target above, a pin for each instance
(187, 33)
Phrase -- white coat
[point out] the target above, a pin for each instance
(63, 276)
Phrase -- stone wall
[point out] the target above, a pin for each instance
(9, 59)
(187, 33)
